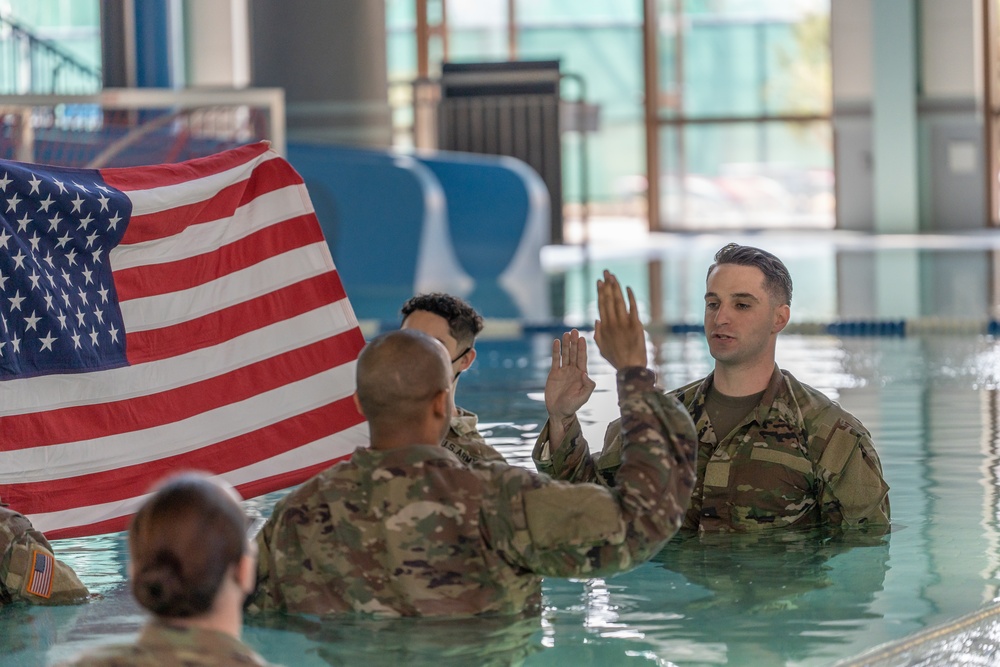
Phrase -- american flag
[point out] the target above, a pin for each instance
(40, 577)
(163, 318)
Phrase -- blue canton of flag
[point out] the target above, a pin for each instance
(198, 324)
(57, 296)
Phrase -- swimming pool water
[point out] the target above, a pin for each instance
(785, 599)
(806, 598)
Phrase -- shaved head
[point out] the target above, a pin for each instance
(398, 374)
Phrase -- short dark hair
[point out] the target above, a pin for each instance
(464, 323)
(777, 280)
(182, 541)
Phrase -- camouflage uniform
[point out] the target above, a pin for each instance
(463, 439)
(797, 459)
(415, 532)
(173, 646)
(28, 569)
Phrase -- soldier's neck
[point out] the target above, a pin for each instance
(407, 435)
(743, 380)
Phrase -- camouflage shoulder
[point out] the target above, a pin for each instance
(688, 392)
(471, 451)
(115, 655)
(32, 573)
(820, 413)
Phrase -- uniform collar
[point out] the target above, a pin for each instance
(777, 397)
(464, 422)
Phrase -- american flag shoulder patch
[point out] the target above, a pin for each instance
(42, 570)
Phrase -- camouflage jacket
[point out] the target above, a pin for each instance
(797, 459)
(463, 439)
(160, 644)
(29, 571)
(415, 532)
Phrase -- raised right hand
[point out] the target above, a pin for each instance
(619, 333)
(568, 386)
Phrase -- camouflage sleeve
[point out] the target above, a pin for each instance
(265, 595)
(569, 460)
(294, 557)
(560, 529)
(854, 491)
(610, 459)
(572, 461)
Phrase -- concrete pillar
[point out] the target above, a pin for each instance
(952, 132)
(118, 43)
(894, 116)
(330, 57)
(142, 44)
(851, 62)
(907, 107)
(218, 43)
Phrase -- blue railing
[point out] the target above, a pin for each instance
(32, 65)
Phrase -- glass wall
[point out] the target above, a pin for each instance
(743, 100)
(601, 42)
(743, 110)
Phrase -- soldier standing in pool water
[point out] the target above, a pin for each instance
(406, 528)
(773, 452)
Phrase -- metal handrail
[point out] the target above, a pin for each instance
(47, 63)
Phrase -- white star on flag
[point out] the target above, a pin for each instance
(163, 317)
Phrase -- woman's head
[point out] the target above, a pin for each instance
(187, 537)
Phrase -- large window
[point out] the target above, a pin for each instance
(742, 112)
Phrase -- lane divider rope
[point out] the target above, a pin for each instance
(509, 329)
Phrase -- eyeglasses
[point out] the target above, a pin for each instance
(464, 352)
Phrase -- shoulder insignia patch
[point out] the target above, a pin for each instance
(40, 577)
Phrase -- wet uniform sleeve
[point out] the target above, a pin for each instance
(854, 491)
(561, 529)
(570, 460)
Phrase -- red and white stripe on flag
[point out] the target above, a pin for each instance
(240, 345)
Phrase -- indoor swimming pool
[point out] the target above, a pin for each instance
(930, 399)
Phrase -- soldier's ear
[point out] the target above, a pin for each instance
(357, 403)
(246, 573)
(467, 360)
(440, 404)
(781, 316)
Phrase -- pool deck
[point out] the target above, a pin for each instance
(969, 641)
(628, 234)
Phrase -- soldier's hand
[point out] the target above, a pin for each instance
(568, 386)
(618, 332)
